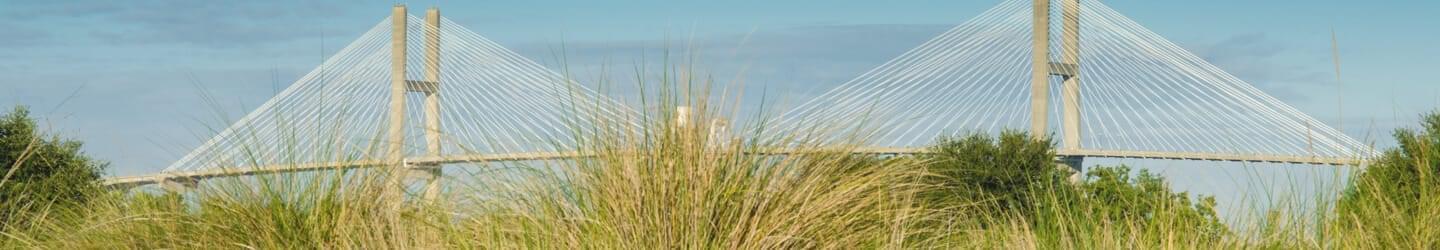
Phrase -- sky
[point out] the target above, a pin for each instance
(131, 78)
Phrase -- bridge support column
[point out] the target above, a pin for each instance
(1070, 88)
(401, 86)
(1068, 68)
(1070, 71)
(1073, 164)
(431, 174)
(395, 152)
(395, 187)
(1040, 69)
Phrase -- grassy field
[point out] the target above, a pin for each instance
(668, 186)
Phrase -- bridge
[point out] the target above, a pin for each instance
(478, 102)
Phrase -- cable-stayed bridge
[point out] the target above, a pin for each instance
(423, 92)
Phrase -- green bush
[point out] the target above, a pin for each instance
(1141, 196)
(1403, 175)
(40, 171)
(1015, 179)
(1144, 200)
(1394, 199)
(981, 172)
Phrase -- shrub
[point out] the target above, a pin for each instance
(40, 171)
(1141, 196)
(1012, 184)
(1394, 199)
(674, 186)
(996, 175)
(1144, 200)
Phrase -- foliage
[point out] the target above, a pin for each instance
(678, 186)
(1395, 198)
(1144, 200)
(663, 185)
(1014, 179)
(1141, 197)
(679, 189)
(37, 172)
(995, 175)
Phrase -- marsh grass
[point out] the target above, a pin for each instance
(662, 180)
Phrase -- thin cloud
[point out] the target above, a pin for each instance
(802, 60)
(1256, 59)
(18, 35)
(200, 23)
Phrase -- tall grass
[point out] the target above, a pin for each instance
(671, 182)
(674, 182)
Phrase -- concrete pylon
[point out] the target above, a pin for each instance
(431, 174)
(394, 192)
(1070, 60)
(1040, 69)
(1070, 88)
(1068, 69)
(395, 152)
(429, 86)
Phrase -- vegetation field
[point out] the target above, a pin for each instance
(673, 184)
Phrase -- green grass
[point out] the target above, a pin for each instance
(668, 186)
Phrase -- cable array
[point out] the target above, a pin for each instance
(1139, 92)
(492, 100)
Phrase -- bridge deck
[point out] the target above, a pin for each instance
(132, 181)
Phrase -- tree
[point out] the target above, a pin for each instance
(1402, 175)
(999, 175)
(1016, 176)
(1144, 200)
(38, 172)
(1396, 193)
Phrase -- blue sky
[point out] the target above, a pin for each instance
(126, 77)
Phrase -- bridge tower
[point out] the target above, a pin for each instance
(1068, 69)
(400, 86)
